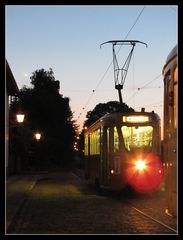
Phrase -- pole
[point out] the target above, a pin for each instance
(119, 87)
(120, 97)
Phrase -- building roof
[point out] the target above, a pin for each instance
(11, 84)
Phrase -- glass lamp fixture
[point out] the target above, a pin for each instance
(37, 136)
(20, 117)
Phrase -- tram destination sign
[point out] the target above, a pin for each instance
(136, 119)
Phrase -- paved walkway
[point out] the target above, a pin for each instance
(17, 190)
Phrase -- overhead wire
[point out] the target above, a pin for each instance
(93, 91)
(120, 47)
(151, 81)
(133, 95)
(143, 87)
(153, 105)
(132, 27)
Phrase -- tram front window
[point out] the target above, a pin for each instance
(137, 137)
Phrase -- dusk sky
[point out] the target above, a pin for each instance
(67, 39)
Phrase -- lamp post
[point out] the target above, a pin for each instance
(19, 142)
(38, 151)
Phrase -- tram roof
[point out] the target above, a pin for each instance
(112, 116)
(172, 54)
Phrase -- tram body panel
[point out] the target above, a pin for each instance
(170, 74)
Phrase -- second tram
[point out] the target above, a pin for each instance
(170, 75)
(124, 149)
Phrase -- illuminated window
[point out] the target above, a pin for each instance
(175, 96)
(108, 139)
(95, 142)
(92, 144)
(98, 141)
(137, 137)
(166, 104)
(116, 140)
(86, 146)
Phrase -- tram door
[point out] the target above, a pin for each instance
(105, 156)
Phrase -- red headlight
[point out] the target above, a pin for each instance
(140, 165)
(145, 174)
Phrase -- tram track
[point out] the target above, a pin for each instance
(152, 218)
(147, 215)
(137, 209)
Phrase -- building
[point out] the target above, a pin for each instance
(11, 90)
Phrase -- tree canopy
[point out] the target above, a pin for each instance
(48, 112)
(102, 108)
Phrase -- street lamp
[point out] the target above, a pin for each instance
(20, 117)
(37, 136)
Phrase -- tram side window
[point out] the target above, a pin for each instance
(175, 96)
(95, 142)
(167, 88)
(98, 136)
(86, 146)
(116, 140)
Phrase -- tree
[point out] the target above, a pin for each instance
(49, 112)
(42, 79)
(102, 108)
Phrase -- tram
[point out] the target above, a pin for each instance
(170, 76)
(124, 150)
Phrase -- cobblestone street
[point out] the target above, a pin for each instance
(62, 203)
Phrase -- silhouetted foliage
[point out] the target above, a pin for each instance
(102, 108)
(42, 79)
(48, 112)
